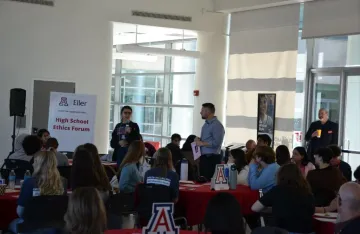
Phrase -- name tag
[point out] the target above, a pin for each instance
(36, 192)
(329, 132)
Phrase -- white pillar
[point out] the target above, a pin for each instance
(351, 133)
(211, 78)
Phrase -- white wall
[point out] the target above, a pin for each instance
(72, 42)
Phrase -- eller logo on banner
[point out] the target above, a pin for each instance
(162, 220)
(219, 180)
(63, 101)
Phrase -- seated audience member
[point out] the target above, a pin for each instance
(264, 179)
(337, 162)
(46, 177)
(301, 159)
(263, 140)
(292, 202)
(187, 153)
(325, 182)
(237, 157)
(52, 145)
(85, 173)
(25, 147)
(223, 215)
(99, 168)
(348, 209)
(43, 135)
(129, 168)
(250, 145)
(86, 213)
(357, 175)
(149, 149)
(174, 147)
(162, 173)
(282, 155)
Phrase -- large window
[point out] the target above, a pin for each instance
(160, 91)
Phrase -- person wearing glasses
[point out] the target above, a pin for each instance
(124, 133)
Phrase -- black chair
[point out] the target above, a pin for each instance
(148, 194)
(118, 205)
(44, 212)
(19, 166)
(65, 171)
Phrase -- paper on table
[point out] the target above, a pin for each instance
(330, 215)
(186, 182)
(196, 150)
(191, 185)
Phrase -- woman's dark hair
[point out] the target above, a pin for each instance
(265, 138)
(266, 153)
(282, 155)
(31, 144)
(99, 168)
(125, 108)
(41, 132)
(163, 160)
(290, 176)
(335, 149)
(187, 145)
(302, 151)
(357, 173)
(239, 157)
(86, 212)
(52, 143)
(84, 173)
(223, 215)
(325, 153)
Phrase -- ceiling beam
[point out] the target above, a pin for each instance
(232, 6)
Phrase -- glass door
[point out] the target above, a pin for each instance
(351, 139)
(327, 95)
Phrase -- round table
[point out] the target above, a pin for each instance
(195, 198)
(8, 204)
(139, 231)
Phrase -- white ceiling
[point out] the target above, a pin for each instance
(126, 34)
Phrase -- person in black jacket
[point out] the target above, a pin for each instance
(344, 167)
(174, 147)
(124, 133)
(321, 133)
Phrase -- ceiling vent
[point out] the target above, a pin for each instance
(39, 2)
(162, 16)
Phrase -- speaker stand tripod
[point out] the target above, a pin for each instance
(13, 135)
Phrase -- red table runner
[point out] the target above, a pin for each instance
(8, 204)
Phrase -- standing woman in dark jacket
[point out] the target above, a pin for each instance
(124, 133)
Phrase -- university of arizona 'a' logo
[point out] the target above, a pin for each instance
(220, 175)
(162, 220)
(63, 101)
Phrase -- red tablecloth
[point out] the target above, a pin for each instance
(323, 227)
(195, 200)
(8, 204)
(139, 231)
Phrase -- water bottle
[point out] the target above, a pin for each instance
(226, 171)
(12, 179)
(27, 175)
(184, 169)
(233, 177)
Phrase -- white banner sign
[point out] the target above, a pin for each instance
(72, 119)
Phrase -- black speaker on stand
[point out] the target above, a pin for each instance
(17, 108)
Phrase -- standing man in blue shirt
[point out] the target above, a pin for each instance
(212, 136)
